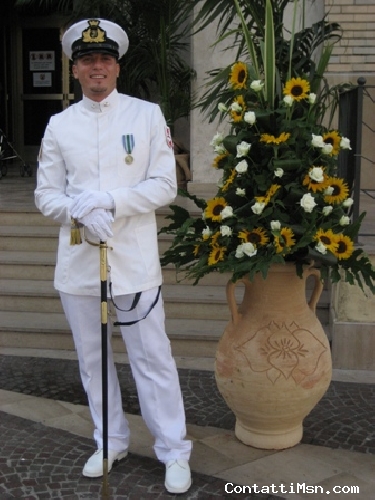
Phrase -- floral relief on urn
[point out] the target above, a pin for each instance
(281, 351)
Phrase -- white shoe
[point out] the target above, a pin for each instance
(177, 476)
(94, 465)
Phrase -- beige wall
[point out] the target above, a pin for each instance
(354, 57)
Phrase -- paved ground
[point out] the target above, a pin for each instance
(40, 462)
(344, 418)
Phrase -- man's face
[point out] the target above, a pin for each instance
(97, 74)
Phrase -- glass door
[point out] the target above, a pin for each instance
(45, 87)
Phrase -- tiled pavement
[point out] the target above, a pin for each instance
(43, 448)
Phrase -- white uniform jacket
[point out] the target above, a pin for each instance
(82, 149)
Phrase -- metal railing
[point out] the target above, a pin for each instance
(351, 123)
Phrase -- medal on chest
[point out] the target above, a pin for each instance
(128, 143)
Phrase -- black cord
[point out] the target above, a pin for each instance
(133, 306)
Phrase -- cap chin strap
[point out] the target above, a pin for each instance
(137, 296)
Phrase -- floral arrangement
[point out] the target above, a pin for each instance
(279, 198)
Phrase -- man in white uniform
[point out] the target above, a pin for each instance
(107, 164)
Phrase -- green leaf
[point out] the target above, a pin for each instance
(269, 56)
(248, 40)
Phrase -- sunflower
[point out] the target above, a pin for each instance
(229, 180)
(298, 88)
(285, 240)
(340, 190)
(214, 239)
(216, 254)
(328, 238)
(271, 191)
(196, 250)
(257, 236)
(219, 160)
(334, 139)
(214, 208)
(344, 248)
(271, 139)
(237, 116)
(238, 75)
(267, 197)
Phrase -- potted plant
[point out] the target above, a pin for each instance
(279, 208)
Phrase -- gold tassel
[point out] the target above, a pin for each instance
(75, 233)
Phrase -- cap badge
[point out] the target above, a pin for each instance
(93, 34)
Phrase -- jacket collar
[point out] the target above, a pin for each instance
(103, 106)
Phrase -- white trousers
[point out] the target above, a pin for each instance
(152, 365)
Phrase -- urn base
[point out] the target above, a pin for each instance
(270, 440)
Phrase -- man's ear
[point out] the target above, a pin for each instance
(74, 71)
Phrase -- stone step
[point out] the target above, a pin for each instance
(40, 266)
(44, 239)
(181, 301)
(204, 302)
(34, 218)
(27, 265)
(189, 337)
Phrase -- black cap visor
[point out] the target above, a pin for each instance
(82, 49)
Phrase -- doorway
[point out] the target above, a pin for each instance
(44, 86)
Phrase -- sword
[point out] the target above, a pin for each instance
(104, 337)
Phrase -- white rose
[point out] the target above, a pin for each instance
(312, 98)
(316, 174)
(243, 149)
(240, 192)
(327, 209)
(317, 141)
(217, 139)
(241, 167)
(225, 231)
(327, 149)
(307, 202)
(249, 249)
(279, 172)
(258, 208)
(235, 107)
(328, 190)
(256, 85)
(345, 143)
(239, 251)
(227, 212)
(249, 117)
(320, 247)
(221, 107)
(344, 221)
(275, 225)
(288, 100)
(220, 150)
(206, 232)
(348, 202)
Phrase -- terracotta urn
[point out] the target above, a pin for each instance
(273, 362)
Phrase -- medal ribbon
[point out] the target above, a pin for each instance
(128, 143)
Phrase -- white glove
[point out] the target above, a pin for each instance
(99, 223)
(88, 200)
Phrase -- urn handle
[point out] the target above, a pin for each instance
(318, 288)
(231, 299)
